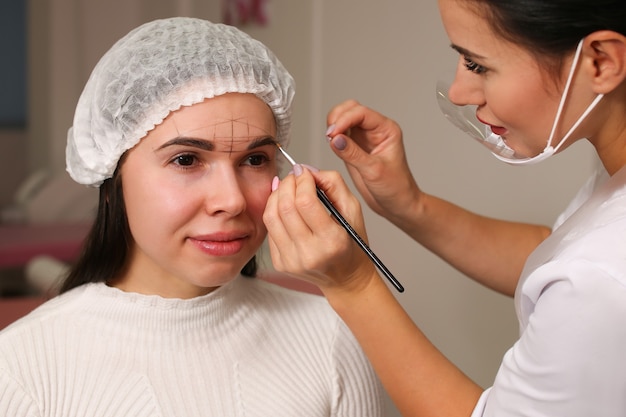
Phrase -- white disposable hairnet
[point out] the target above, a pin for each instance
(158, 68)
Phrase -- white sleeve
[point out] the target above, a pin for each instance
(480, 405)
(357, 390)
(571, 358)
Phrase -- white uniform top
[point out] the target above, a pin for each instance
(570, 359)
(247, 349)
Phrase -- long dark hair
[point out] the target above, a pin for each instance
(551, 29)
(106, 249)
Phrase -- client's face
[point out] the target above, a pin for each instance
(195, 188)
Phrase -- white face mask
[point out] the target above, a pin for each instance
(464, 117)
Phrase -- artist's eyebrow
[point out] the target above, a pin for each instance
(207, 145)
(465, 52)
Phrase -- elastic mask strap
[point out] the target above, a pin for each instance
(580, 120)
(570, 77)
(562, 103)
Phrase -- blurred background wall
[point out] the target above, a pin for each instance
(388, 55)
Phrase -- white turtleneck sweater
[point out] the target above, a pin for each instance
(248, 349)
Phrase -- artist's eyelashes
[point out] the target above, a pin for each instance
(473, 66)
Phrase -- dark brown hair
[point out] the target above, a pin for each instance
(106, 249)
(551, 29)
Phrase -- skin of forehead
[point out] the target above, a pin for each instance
(227, 135)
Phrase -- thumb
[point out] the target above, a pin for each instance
(351, 153)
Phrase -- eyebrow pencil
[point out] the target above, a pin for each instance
(355, 236)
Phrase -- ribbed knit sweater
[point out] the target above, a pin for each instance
(248, 349)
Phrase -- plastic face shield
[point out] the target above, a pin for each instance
(464, 117)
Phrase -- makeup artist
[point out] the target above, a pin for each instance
(542, 74)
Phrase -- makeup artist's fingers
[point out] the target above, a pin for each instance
(275, 230)
(307, 221)
(328, 232)
(289, 237)
(288, 232)
(305, 241)
(367, 127)
(337, 191)
(281, 206)
(374, 155)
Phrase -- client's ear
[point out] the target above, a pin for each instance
(604, 52)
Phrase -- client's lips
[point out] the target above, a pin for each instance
(220, 244)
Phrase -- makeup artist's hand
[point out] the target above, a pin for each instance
(305, 241)
(371, 146)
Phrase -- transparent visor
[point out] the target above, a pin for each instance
(464, 117)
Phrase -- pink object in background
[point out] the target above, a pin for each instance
(12, 309)
(22, 242)
(289, 282)
(244, 12)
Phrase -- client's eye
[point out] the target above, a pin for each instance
(256, 160)
(184, 160)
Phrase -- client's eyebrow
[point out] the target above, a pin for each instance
(264, 141)
(186, 141)
(207, 145)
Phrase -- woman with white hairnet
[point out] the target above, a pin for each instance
(178, 126)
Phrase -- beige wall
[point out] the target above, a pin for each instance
(388, 55)
(13, 151)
